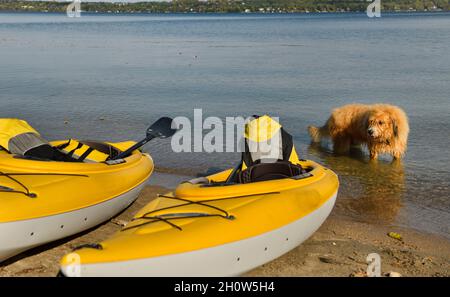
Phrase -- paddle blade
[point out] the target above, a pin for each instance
(162, 128)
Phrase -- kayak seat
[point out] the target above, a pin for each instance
(269, 153)
(269, 171)
(105, 148)
(18, 138)
(46, 152)
(87, 151)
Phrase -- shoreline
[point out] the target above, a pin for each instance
(338, 248)
(388, 12)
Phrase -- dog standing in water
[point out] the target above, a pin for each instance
(383, 128)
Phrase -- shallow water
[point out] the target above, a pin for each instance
(110, 76)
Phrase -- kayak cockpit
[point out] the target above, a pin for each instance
(258, 173)
(72, 151)
(20, 140)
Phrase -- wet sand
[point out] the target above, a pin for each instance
(338, 248)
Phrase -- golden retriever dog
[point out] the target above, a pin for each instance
(383, 128)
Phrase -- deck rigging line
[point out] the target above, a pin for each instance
(175, 216)
(26, 191)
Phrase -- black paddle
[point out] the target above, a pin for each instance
(162, 128)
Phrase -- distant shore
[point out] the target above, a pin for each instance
(339, 248)
(218, 13)
(250, 6)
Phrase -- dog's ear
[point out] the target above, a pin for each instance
(395, 127)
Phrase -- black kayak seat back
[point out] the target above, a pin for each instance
(269, 171)
(281, 161)
(288, 152)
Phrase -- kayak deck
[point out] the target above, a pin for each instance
(60, 187)
(181, 223)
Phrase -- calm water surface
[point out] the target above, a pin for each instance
(110, 76)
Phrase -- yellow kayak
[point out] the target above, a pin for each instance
(42, 201)
(207, 227)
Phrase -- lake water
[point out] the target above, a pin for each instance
(107, 77)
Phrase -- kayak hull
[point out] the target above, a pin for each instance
(210, 228)
(230, 259)
(18, 236)
(43, 201)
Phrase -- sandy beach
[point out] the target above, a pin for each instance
(338, 248)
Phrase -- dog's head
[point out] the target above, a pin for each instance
(380, 126)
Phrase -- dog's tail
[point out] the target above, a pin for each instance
(317, 133)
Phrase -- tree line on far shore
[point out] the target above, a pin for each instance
(229, 6)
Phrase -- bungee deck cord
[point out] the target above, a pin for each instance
(174, 216)
(27, 192)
